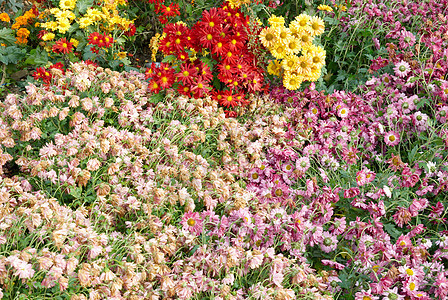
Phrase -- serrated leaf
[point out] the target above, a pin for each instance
(7, 36)
(11, 55)
(37, 57)
(392, 230)
(83, 5)
(169, 58)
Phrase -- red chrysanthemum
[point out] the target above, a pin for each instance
(187, 74)
(166, 78)
(108, 41)
(62, 46)
(94, 38)
(170, 11)
(42, 73)
(131, 30)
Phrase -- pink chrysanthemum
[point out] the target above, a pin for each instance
(402, 69)
(192, 222)
(329, 242)
(391, 138)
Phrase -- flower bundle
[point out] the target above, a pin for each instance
(218, 42)
(286, 43)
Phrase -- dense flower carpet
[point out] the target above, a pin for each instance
(265, 150)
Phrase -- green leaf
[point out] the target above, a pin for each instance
(169, 58)
(83, 5)
(76, 192)
(392, 230)
(411, 154)
(11, 55)
(37, 57)
(7, 36)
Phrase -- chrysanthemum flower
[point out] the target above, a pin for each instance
(317, 26)
(317, 55)
(192, 222)
(67, 4)
(275, 21)
(323, 7)
(301, 23)
(306, 40)
(293, 46)
(402, 69)
(62, 46)
(290, 62)
(304, 65)
(391, 138)
(267, 37)
(278, 51)
(283, 35)
(274, 67)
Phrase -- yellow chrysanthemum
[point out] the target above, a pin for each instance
(95, 14)
(283, 35)
(67, 4)
(274, 68)
(304, 65)
(314, 74)
(342, 7)
(65, 14)
(75, 42)
(64, 25)
(291, 81)
(84, 22)
(48, 36)
(317, 55)
(275, 21)
(278, 51)
(301, 22)
(293, 46)
(325, 8)
(317, 26)
(305, 39)
(52, 25)
(290, 62)
(267, 37)
(55, 10)
(121, 55)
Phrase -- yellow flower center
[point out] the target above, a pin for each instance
(409, 272)
(278, 192)
(185, 73)
(392, 138)
(255, 176)
(211, 24)
(209, 36)
(191, 222)
(269, 37)
(412, 286)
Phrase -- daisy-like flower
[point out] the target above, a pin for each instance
(317, 55)
(317, 26)
(343, 112)
(365, 295)
(407, 39)
(391, 138)
(303, 164)
(293, 46)
(329, 242)
(278, 51)
(301, 23)
(62, 46)
(323, 7)
(267, 37)
(306, 40)
(192, 222)
(402, 69)
(292, 82)
(283, 35)
(67, 4)
(275, 21)
(274, 67)
(392, 294)
(304, 65)
(290, 62)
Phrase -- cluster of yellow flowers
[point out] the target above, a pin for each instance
(297, 58)
(105, 18)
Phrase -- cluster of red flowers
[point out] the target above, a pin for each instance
(45, 74)
(166, 12)
(221, 34)
(62, 46)
(99, 40)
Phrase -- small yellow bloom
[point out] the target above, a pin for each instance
(121, 55)
(274, 68)
(84, 22)
(290, 62)
(317, 26)
(325, 8)
(75, 42)
(64, 25)
(67, 4)
(52, 25)
(292, 81)
(267, 37)
(48, 36)
(275, 21)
